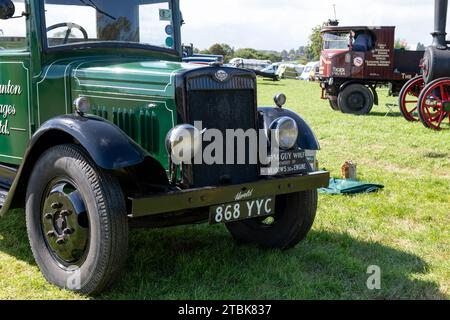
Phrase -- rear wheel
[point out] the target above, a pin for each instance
(293, 219)
(409, 98)
(334, 105)
(76, 221)
(434, 104)
(356, 99)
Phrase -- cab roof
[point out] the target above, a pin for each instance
(353, 28)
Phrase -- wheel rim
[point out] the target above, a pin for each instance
(410, 99)
(435, 105)
(65, 223)
(356, 101)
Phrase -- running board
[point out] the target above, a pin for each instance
(3, 195)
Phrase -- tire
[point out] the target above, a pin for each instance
(67, 190)
(334, 105)
(356, 99)
(412, 87)
(434, 117)
(295, 214)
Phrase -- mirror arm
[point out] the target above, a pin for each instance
(24, 14)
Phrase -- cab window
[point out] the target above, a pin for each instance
(72, 22)
(13, 31)
(363, 41)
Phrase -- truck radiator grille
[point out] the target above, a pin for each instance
(222, 110)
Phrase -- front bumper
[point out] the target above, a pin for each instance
(211, 196)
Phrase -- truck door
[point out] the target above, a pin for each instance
(357, 64)
(15, 117)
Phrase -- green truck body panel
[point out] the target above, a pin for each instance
(137, 95)
(133, 88)
(15, 107)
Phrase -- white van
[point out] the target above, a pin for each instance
(309, 71)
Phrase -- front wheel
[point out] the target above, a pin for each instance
(76, 221)
(356, 99)
(293, 219)
(434, 104)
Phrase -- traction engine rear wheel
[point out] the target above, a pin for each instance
(434, 104)
(409, 98)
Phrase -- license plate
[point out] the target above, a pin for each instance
(242, 210)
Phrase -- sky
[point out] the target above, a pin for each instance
(286, 24)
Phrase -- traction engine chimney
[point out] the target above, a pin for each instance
(440, 24)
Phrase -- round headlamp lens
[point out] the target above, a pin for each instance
(286, 132)
(183, 142)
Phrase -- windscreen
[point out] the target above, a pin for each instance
(148, 22)
(336, 41)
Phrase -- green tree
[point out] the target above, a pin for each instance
(401, 44)
(420, 47)
(247, 53)
(315, 46)
(229, 51)
(217, 49)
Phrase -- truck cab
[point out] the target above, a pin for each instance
(364, 57)
(102, 125)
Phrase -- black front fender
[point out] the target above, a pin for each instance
(109, 147)
(306, 138)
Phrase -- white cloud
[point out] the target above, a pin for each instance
(286, 24)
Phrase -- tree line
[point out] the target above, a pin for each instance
(302, 54)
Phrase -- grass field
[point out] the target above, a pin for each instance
(404, 229)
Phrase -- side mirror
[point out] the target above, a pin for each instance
(7, 9)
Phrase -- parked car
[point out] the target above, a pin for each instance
(198, 58)
(250, 64)
(272, 69)
(289, 71)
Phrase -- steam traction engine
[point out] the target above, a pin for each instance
(427, 98)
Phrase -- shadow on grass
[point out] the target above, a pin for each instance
(202, 262)
(385, 114)
(268, 82)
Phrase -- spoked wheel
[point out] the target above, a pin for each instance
(409, 98)
(434, 104)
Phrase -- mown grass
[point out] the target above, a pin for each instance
(403, 229)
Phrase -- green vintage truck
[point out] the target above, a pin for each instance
(94, 100)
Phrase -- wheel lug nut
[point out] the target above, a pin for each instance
(51, 234)
(65, 213)
(56, 205)
(60, 241)
(67, 231)
(49, 216)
